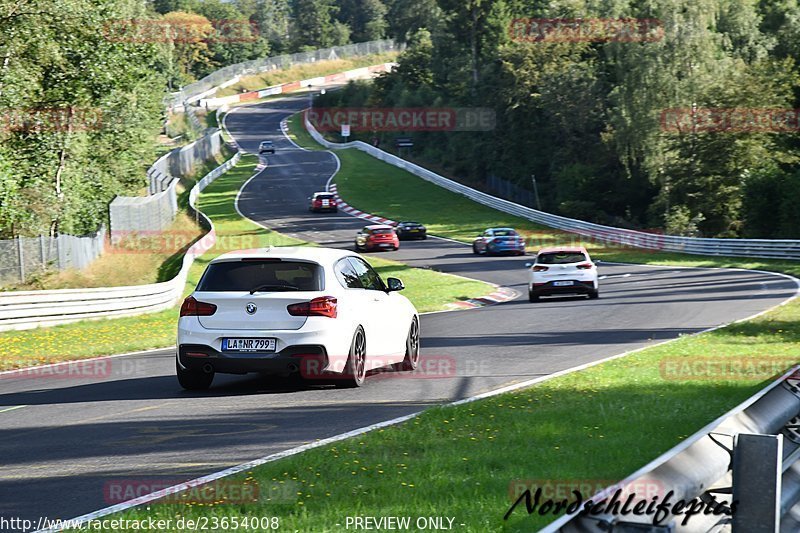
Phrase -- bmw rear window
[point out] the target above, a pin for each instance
(269, 275)
(560, 258)
(505, 233)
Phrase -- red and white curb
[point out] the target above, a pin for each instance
(500, 295)
(350, 210)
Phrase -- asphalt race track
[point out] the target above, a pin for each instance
(66, 442)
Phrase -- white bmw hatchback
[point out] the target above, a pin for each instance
(320, 312)
(562, 271)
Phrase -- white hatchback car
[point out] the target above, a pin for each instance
(321, 312)
(562, 271)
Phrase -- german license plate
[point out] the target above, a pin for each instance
(562, 283)
(248, 345)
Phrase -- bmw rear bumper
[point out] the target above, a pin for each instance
(286, 361)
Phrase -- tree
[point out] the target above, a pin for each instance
(186, 47)
(365, 18)
(315, 25)
(406, 17)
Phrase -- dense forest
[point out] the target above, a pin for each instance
(82, 84)
(616, 130)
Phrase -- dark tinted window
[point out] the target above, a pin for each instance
(277, 275)
(368, 277)
(382, 231)
(505, 233)
(560, 258)
(323, 196)
(346, 275)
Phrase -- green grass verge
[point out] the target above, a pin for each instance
(428, 290)
(462, 461)
(598, 424)
(363, 179)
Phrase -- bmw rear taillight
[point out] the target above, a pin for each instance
(539, 268)
(584, 266)
(322, 306)
(191, 307)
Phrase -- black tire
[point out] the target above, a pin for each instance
(355, 371)
(412, 348)
(532, 296)
(475, 249)
(193, 379)
(594, 294)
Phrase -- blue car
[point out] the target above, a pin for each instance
(498, 241)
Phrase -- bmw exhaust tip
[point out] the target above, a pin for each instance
(208, 369)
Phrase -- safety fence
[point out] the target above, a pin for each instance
(230, 74)
(354, 74)
(756, 248)
(22, 256)
(30, 309)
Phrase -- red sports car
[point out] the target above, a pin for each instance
(377, 237)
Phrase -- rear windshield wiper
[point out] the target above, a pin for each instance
(274, 287)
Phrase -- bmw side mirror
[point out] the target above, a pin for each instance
(394, 285)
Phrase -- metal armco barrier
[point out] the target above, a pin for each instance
(31, 309)
(748, 456)
(231, 74)
(284, 88)
(756, 248)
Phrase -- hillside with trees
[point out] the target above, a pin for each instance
(601, 123)
(82, 85)
(613, 128)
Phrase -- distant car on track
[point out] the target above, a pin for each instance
(567, 270)
(377, 237)
(496, 241)
(322, 201)
(273, 310)
(411, 230)
(266, 147)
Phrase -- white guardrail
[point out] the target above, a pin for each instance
(756, 248)
(31, 309)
